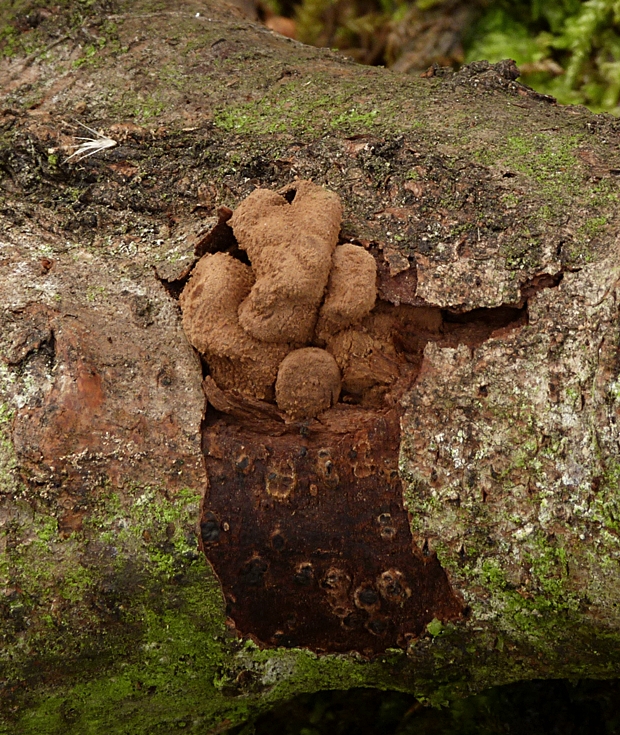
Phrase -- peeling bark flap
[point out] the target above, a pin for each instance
(305, 527)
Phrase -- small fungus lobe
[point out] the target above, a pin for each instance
(290, 247)
(210, 302)
(308, 382)
(351, 290)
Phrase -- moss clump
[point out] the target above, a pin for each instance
(127, 632)
(303, 107)
(27, 28)
(8, 461)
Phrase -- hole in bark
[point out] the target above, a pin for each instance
(313, 509)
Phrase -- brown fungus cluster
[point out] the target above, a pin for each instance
(290, 247)
(308, 382)
(288, 326)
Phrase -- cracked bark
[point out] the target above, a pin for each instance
(459, 533)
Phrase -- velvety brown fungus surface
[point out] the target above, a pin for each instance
(210, 302)
(244, 319)
(290, 248)
(308, 383)
(351, 290)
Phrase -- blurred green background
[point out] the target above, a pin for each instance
(567, 48)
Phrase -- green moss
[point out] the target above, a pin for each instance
(171, 614)
(66, 14)
(604, 194)
(94, 293)
(165, 684)
(510, 200)
(48, 529)
(557, 181)
(8, 461)
(549, 160)
(168, 661)
(607, 502)
(354, 118)
(303, 107)
(141, 106)
(592, 227)
(149, 107)
(88, 54)
(435, 627)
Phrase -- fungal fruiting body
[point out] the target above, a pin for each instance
(287, 324)
(290, 248)
(351, 290)
(308, 383)
(210, 302)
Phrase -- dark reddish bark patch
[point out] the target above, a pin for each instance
(305, 527)
(90, 421)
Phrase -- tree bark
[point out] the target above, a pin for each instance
(168, 561)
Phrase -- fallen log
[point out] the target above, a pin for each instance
(175, 560)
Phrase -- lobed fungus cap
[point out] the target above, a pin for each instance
(290, 247)
(210, 302)
(351, 290)
(308, 383)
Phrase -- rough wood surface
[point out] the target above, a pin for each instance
(492, 215)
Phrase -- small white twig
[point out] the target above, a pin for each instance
(90, 146)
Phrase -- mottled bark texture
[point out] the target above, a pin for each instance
(453, 522)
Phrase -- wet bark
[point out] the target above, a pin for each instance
(175, 560)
